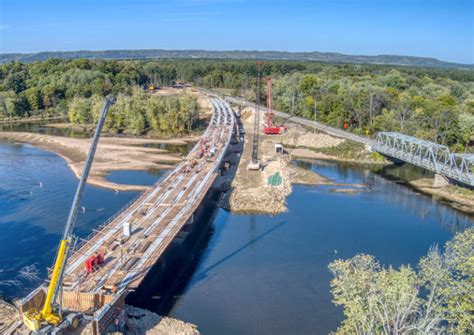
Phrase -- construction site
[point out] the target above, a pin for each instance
(88, 290)
(242, 162)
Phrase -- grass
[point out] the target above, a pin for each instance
(462, 191)
(349, 150)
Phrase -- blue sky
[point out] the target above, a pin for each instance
(433, 28)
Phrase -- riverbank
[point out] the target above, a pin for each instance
(457, 197)
(265, 191)
(302, 143)
(113, 153)
(252, 192)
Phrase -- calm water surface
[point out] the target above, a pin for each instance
(135, 177)
(43, 128)
(268, 275)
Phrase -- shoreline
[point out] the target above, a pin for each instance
(305, 153)
(462, 203)
(113, 153)
(266, 191)
(250, 189)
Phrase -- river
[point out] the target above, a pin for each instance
(269, 275)
(256, 274)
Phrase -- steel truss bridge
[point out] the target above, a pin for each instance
(431, 156)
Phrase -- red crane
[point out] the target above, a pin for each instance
(269, 128)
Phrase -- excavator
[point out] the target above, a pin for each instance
(51, 313)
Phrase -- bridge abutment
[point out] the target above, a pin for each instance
(440, 181)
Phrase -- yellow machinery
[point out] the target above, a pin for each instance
(51, 312)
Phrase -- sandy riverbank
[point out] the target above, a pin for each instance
(301, 143)
(457, 197)
(304, 153)
(112, 154)
(251, 191)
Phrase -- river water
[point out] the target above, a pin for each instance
(269, 275)
(255, 274)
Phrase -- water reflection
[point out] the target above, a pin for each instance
(268, 275)
(182, 149)
(43, 128)
(397, 193)
(136, 177)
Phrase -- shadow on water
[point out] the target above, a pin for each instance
(202, 274)
(182, 149)
(262, 275)
(136, 177)
(169, 277)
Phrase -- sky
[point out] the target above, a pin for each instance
(427, 28)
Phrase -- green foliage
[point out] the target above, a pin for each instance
(439, 298)
(139, 112)
(434, 104)
(34, 97)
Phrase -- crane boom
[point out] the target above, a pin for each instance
(33, 319)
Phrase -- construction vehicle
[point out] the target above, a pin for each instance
(94, 262)
(51, 313)
(269, 128)
(255, 163)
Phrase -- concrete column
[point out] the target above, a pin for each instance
(440, 181)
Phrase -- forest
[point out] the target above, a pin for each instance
(433, 104)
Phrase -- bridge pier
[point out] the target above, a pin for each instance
(440, 181)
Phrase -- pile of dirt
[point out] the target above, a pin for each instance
(145, 322)
(251, 190)
(247, 115)
(260, 197)
(299, 137)
(306, 177)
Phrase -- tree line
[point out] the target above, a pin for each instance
(432, 104)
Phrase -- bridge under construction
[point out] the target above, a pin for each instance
(130, 243)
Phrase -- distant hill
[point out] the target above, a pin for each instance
(236, 54)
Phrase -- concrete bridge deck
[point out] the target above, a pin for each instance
(155, 218)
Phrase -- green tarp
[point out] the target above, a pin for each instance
(275, 179)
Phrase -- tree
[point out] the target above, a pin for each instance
(79, 111)
(437, 299)
(34, 97)
(16, 82)
(404, 110)
(466, 128)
